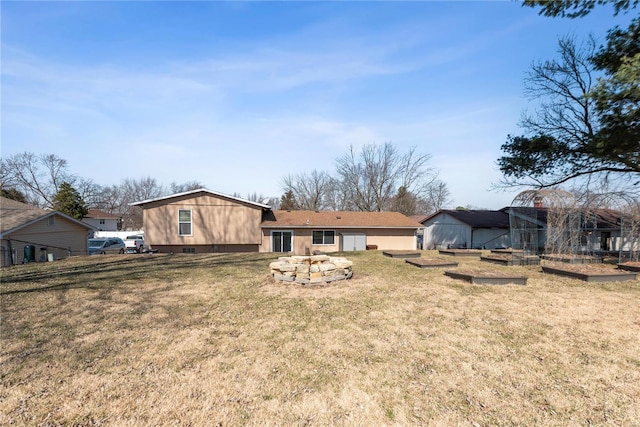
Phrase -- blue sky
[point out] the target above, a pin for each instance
(237, 95)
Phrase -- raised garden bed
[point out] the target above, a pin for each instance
(573, 259)
(589, 273)
(487, 277)
(630, 266)
(509, 259)
(507, 251)
(431, 262)
(460, 252)
(401, 254)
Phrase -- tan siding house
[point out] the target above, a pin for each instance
(201, 221)
(303, 232)
(53, 234)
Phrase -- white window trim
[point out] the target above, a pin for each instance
(323, 237)
(184, 222)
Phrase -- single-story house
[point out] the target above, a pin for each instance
(469, 229)
(101, 220)
(304, 232)
(206, 221)
(50, 234)
(200, 221)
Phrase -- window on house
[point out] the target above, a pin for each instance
(184, 222)
(52, 220)
(324, 237)
(102, 221)
(188, 250)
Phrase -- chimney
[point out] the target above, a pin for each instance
(537, 202)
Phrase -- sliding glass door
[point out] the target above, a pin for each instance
(281, 241)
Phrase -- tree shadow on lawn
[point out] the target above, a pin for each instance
(97, 272)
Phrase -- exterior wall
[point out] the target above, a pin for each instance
(385, 239)
(62, 239)
(390, 239)
(204, 249)
(214, 221)
(444, 230)
(491, 238)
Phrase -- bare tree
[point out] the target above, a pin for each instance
(135, 190)
(337, 196)
(38, 177)
(438, 196)
(310, 189)
(260, 198)
(175, 188)
(372, 176)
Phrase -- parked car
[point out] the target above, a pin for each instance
(134, 243)
(106, 245)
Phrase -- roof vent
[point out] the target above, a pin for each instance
(338, 217)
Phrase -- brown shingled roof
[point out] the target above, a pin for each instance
(339, 219)
(14, 213)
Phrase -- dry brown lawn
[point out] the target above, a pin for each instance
(205, 340)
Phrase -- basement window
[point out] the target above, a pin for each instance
(324, 237)
(188, 250)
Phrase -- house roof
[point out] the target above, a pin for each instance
(420, 218)
(98, 214)
(201, 190)
(15, 215)
(339, 219)
(477, 218)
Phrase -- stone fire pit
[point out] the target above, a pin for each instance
(315, 269)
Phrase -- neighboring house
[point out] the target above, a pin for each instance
(51, 233)
(303, 232)
(200, 221)
(466, 229)
(102, 221)
(205, 221)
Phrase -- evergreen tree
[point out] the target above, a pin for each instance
(404, 202)
(288, 201)
(68, 201)
(13, 194)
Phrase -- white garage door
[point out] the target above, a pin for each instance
(354, 242)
